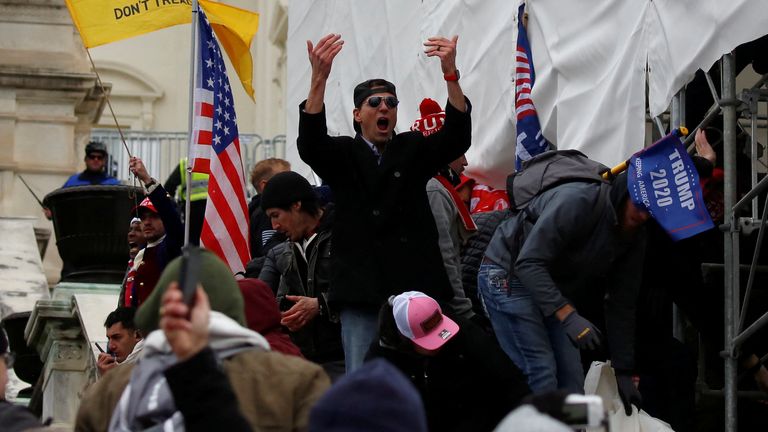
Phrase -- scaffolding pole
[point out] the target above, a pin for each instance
(677, 119)
(731, 252)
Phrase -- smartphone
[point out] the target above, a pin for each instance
(190, 263)
(583, 411)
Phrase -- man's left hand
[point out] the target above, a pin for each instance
(303, 311)
(445, 49)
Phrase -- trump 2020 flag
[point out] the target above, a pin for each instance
(530, 140)
(663, 180)
(215, 149)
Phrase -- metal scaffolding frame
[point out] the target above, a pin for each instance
(732, 107)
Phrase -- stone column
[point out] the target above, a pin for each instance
(48, 102)
(63, 331)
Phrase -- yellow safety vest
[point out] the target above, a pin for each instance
(199, 184)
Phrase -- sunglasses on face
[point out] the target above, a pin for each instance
(95, 156)
(375, 101)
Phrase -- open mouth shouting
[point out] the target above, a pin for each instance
(382, 124)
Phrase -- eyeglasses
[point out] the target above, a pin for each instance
(96, 156)
(9, 359)
(375, 101)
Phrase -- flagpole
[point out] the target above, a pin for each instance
(192, 80)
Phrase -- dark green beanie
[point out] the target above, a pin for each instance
(217, 281)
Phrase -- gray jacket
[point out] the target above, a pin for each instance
(566, 257)
(451, 237)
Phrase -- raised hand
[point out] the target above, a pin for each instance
(321, 55)
(445, 49)
(321, 58)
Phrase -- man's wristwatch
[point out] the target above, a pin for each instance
(452, 76)
(151, 185)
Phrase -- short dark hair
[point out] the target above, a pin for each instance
(123, 315)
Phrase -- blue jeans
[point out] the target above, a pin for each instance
(538, 345)
(359, 328)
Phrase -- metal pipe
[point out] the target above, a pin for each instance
(741, 337)
(192, 81)
(677, 119)
(731, 291)
(713, 112)
(753, 193)
(753, 151)
(712, 88)
(753, 269)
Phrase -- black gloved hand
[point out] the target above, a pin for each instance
(582, 333)
(628, 392)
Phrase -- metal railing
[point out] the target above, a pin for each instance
(161, 151)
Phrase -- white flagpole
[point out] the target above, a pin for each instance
(192, 81)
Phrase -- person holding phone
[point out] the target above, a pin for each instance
(123, 339)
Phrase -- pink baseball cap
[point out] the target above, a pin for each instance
(420, 319)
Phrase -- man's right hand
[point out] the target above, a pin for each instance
(138, 169)
(105, 362)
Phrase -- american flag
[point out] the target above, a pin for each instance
(215, 150)
(530, 140)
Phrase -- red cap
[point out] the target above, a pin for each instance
(147, 204)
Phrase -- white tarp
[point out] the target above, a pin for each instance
(590, 61)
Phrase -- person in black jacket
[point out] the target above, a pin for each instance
(298, 270)
(466, 381)
(385, 239)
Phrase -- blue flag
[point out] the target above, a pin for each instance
(530, 141)
(663, 180)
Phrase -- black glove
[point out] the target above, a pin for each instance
(582, 333)
(628, 392)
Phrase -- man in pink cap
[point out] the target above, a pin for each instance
(464, 378)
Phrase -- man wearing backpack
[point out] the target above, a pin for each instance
(578, 243)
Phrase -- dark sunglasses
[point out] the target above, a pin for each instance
(375, 101)
(96, 156)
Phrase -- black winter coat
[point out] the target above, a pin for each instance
(469, 385)
(320, 339)
(384, 238)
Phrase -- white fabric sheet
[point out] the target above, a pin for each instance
(590, 60)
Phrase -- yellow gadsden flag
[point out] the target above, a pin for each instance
(235, 29)
(103, 21)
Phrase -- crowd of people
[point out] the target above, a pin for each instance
(376, 301)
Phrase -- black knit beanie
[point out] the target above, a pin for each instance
(284, 189)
